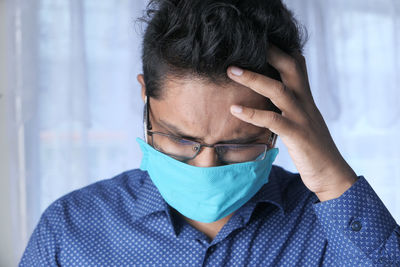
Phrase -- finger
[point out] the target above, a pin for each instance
(293, 72)
(302, 61)
(273, 121)
(276, 91)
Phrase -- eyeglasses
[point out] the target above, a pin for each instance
(184, 149)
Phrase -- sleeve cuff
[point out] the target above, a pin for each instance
(357, 215)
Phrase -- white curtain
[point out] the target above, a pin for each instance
(75, 106)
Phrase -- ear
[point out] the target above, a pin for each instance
(140, 79)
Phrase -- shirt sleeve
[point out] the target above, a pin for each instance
(43, 245)
(359, 228)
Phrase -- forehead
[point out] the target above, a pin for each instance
(202, 108)
(195, 94)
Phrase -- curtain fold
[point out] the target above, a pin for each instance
(76, 107)
(22, 117)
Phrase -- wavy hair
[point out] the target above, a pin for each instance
(201, 38)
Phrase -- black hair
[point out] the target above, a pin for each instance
(202, 38)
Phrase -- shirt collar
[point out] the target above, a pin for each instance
(149, 199)
(270, 193)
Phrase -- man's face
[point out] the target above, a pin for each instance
(198, 110)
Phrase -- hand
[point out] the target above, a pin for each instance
(301, 126)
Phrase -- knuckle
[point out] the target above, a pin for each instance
(274, 118)
(250, 77)
(252, 114)
(293, 102)
(281, 89)
(292, 66)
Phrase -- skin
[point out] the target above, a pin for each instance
(213, 114)
(201, 111)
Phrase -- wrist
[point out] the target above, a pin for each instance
(336, 190)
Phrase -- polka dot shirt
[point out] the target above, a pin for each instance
(124, 221)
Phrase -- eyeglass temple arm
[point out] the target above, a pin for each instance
(272, 139)
(146, 119)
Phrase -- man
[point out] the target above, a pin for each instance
(220, 80)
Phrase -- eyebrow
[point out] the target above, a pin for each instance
(178, 132)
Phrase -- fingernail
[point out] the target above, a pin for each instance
(236, 71)
(236, 109)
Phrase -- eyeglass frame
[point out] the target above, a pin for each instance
(148, 132)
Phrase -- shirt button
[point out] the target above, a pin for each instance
(356, 226)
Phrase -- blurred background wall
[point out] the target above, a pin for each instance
(70, 106)
(6, 237)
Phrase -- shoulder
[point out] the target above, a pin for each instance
(108, 196)
(82, 210)
(126, 182)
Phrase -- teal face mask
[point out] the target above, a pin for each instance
(205, 194)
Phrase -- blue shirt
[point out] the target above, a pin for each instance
(124, 221)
